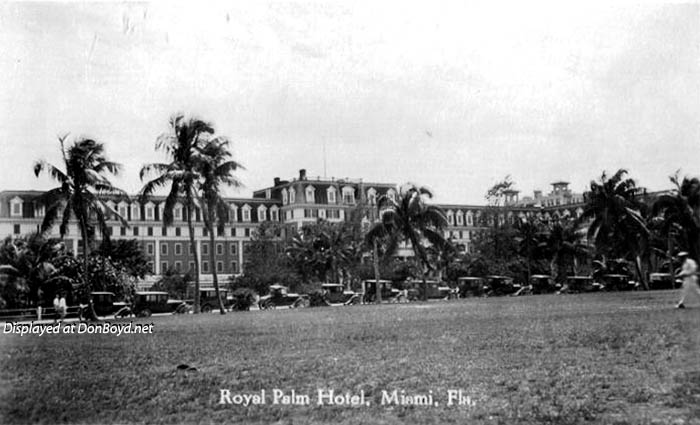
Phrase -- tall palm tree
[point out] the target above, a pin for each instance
(530, 240)
(84, 188)
(216, 168)
(617, 227)
(409, 218)
(181, 145)
(680, 214)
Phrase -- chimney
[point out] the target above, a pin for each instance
(302, 174)
(538, 194)
(277, 181)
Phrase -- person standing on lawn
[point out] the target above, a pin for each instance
(62, 307)
(56, 303)
(688, 273)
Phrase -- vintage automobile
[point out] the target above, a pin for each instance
(500, 285)
(369, 289)
(663, 281)
(104, 304)
(470, 286)
(280, 296)
(542, 284)
(580, 284)
(335, 293)
(149, 302)
(208, 300)
(618, 282)
(433, 289)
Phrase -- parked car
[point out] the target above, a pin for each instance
(104, 304)
(581, 284)
(208, 300)
(149, 302)
(619, 282)
(501, 285)
(434, 289)
(470, 286)
(663, 281)
(335, 293)
(280, 296)
(369, 288)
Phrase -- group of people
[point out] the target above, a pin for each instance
(60, 307)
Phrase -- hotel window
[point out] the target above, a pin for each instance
(135, 211)
(123, 212)
(149, 249)
(205, 266)
(122, 231)
(177, 213)
(150, 231)
(205, 231)
(450, 218)
(39, 211)
(233, 213)
(333, 213)
(310, 213)
(163, 267)
(331, 195)
(234, 267)
(246, 212)
(149, 212)
(190, 266)
(178, 231)
(233, 232)
(470, 219)
(261, 213)
(205, 249)
(310, 198)
(292, 195)
(219, 249)
(191, 251)
(371, 196)
(348, 195)
(178, 266)
(219, 266)
(247, 232)
(285, 200)
(16, 229)
(164, 249)
(136, 230)
(460, 218)
(233, 248)
(274, 215)
(164, 231)
(219, 231)
(178, 249)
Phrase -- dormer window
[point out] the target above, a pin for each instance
(123, 210)
(177, 212)
(391, 194)
(150, 211)
(460, 218)
(450, 218)
(262, 213)
(470, 218)
(310, 198)
(371, 196)
(285, 198)
(16, 207)
(233, 213)
(292, 195)
(246, 212)
(274, 213)
(39, 211)
(135, 211)
(331, 195)
(348, 195)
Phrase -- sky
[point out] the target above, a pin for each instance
(450, 95)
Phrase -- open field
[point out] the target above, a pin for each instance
(601, 358)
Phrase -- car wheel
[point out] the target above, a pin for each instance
(145, 313)
(206, 308)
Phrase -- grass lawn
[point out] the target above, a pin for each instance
(613, 358)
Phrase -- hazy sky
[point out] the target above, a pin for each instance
(447, 95)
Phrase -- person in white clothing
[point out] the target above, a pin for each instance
(689, 275)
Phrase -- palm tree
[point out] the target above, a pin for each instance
(680, 214)
(617, 227)
(216, 168)
(83, 189)
(378, 234)
(530, 240)
(564, 242)
(409, 218)
(182, 146)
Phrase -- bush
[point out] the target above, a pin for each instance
(243, 298)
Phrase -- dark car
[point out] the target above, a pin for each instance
(663, 281)
(104, 304)
(208, 300)
(501, 285)
(149, 302)
(469, 286)
(369, 288)
(618, 282)
(433, 289)
(581, 284)
(541, 284)
(335, 293)
(280, 296)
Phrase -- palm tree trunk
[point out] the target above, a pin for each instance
(190, 228)
(640, 274)
(425, 285)
(86, 264)
(378, 289)
(212, 260)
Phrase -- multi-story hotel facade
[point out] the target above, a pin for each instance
(290, 203)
